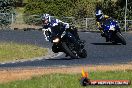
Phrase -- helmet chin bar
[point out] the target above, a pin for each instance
(46, 21)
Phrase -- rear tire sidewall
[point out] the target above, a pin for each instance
(120, 38)
(83, 53)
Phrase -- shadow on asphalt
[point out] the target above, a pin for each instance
(68, 58)
(104, 44)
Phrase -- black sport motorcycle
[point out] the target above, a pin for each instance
(111, 31)
(64, 41)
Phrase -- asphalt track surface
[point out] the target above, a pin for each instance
(99, 52)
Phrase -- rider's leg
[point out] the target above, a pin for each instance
(106, 36)
(73, 30)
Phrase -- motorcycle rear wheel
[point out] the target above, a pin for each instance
(121, 39)
(68, 51)
(83, 54)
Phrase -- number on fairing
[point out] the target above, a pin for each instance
(112, 27)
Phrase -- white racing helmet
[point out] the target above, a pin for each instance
(45, 16)
(99, 14)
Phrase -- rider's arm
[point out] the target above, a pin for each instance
(66, 25)
(46, 28)
(98, 24)
(106, 16)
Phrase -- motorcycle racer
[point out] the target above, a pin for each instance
(100, 18)
(49, 22)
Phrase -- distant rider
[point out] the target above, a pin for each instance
(100, 18)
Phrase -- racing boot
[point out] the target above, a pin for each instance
(103, 34)
(107, 39)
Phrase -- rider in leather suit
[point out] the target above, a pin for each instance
(100, 18)
(49, 22)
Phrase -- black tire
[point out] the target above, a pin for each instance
(121, 39)
(114, 43)
(55, 49)
(83, 54)
(68, 51)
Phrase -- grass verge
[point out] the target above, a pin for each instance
(69, 80)
(12, 51)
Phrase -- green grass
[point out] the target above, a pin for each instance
(12, 51)
(69, 80)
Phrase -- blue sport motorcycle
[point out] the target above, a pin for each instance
(112, 33)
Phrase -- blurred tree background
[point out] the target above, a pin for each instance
(6, 9)
(116, 9)
(6, 6)
(78, 8)
(75, 8)
(67, 8)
